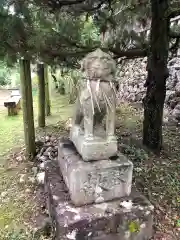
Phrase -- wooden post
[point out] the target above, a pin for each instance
(41, 102)
(27, 103)
(47, 98)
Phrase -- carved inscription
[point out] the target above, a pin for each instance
(106, 179)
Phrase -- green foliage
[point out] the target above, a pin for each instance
(90, 35)
(134, 226)
(4, 76)
(63, 35)
(136, 154)
(35, 81)
(69, 81)
(7, 75)
(57, 38)
(72, 80)
(19, 235)
(22, 235)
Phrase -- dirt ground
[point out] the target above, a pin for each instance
(4, 94)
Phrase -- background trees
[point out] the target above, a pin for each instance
(4, 74)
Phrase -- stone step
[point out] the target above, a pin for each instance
(129, 218)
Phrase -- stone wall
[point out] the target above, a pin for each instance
(132, 76)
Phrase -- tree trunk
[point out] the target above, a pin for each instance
(47, 99)
(41, 103)
(157, 75)
(27, 103)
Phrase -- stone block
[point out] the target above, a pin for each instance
(130, 218)
(96, 181)
(97, 148)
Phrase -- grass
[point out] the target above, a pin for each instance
(11, 128)
(16, 199)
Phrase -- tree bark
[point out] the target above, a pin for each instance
(41, 103)
(157, 75)
(47, 98)
(27, 103)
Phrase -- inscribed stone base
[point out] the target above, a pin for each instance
(97, 181)
(97, 148)
(130, 218)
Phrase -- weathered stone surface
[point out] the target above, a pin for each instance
(96, 181)
(47, 150)
(127, 219)
(132, 77)
(97, 148)
(176, 112)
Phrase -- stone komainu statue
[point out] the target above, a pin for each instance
(97, 96)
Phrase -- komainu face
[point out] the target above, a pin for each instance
(99, 65)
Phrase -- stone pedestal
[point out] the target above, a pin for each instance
(129, 218)
(96, 181)
(97, 148)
